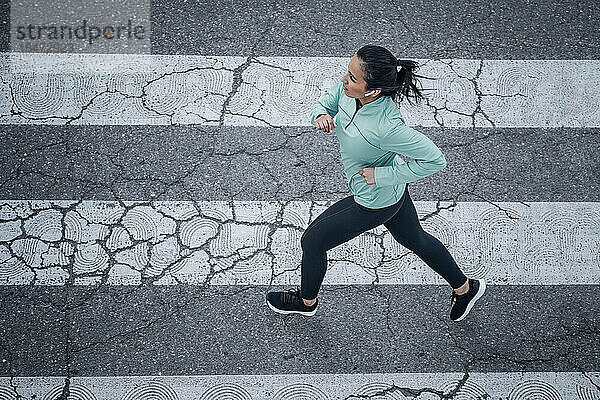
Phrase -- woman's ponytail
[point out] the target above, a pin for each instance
(381, 71)
(407, 81)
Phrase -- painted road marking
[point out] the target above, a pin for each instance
(493, 385)
(137, 89)
(258, 243)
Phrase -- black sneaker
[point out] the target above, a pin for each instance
(290, 302)
(462, 304)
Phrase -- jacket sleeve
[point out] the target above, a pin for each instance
(327, 103)
(402, 139)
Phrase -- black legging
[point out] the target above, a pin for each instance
(346, 219)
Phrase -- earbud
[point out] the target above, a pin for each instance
(370, 93)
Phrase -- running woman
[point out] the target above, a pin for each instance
(372, 135)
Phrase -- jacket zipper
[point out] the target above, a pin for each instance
(352, 116)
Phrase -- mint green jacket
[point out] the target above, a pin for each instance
(374, 137)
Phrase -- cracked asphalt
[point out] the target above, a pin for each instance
(108, 330)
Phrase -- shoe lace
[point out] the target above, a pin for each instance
(453, 297)
(291, 295)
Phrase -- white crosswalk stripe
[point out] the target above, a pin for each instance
(511, 385)
(117, 89)
(248, 242)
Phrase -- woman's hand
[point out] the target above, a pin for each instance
(325, 123)
(368, 174)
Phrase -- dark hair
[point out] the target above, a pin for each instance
(380, 72)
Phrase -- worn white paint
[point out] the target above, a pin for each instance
(258, 243)
(493, 385)
(138, 89)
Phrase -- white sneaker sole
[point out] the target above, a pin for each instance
(473, 300)
(277, 310)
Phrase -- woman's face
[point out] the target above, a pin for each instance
(354, 84)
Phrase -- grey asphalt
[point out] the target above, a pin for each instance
(301, 163)
(512, 29)
(190, 330)
(538, 29)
